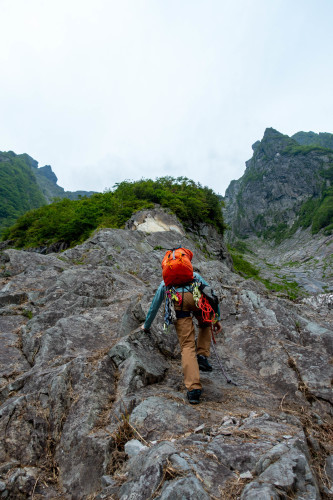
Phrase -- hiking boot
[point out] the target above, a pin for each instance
(194, 396)
(204, 364)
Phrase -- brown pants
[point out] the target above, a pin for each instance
(186, 337)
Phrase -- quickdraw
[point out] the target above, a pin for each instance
(196, 293)
(170, 317)
(174, 295)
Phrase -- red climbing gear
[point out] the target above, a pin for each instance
(208, 314)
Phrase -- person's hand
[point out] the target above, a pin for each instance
(217, 327)
(146, 330)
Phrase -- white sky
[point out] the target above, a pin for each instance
(106, 90)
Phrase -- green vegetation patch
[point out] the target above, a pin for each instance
(241, 247)
(294, 150)
(323, 139)
(317, 213)
(277, 232)
(73, 221)
(243, 267)
(287, 288)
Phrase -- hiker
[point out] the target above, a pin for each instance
(181, 286)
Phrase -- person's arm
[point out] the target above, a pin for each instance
(154, 307)
(204, 282)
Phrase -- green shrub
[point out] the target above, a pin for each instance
(73, 221)
(298, 150)
(242, 266)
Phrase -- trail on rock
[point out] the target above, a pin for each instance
(80, 380)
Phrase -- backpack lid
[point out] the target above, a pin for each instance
(171, 253)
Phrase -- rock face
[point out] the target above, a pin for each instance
(277, 180)
(80, 381)
(153, 221)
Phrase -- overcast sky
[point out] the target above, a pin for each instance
(106, 90)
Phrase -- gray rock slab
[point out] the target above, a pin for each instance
(134, 447)
(292, 472)
(158, 416)
(237, 454)
(139, 362)
(257, 491)
(146, 472)
(12, 360)
(329, 468)
(185, 488)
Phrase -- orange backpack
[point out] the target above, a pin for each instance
(176, 267)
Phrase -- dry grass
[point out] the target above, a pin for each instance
(233, 488)
(104, 415)
(124, 432)
(323, 436)
(96, 356)
(302, 386)
(169, 473)
(120, 437)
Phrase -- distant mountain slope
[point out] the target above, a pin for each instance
(285, 185)
(47, 181)
(24, 186)
(19, 190)
(323, 139)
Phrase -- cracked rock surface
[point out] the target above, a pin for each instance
(79, 380)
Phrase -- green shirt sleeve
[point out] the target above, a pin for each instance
(155, 305)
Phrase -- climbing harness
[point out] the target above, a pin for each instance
(200, 300)
(213, 342)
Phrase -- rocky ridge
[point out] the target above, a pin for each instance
(92, 407)
(323, 139)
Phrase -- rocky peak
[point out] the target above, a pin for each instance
(24, 186)
(48, 173)
(273, 143)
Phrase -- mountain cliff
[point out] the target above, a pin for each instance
(93, 407)
(280, 212)
(24, 186)
(279, 178)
